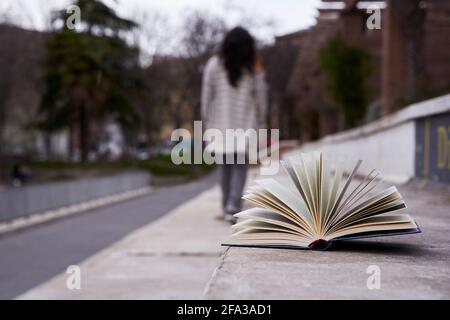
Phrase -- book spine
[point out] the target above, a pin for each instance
(320, 245)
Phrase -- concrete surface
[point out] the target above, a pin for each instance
(172, 258)
(34, 255)
(412, 267)
(180, 257)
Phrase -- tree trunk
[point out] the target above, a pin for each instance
(83, 132)
(48, 145)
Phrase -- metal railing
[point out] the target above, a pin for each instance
(24, 201)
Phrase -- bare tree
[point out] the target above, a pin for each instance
(5, 89)
(153, 37)
(153, 34)
(279, 61)
(202, 34)
(263, 28)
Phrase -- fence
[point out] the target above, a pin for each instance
(23, 201)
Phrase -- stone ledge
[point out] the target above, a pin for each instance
(412, 267)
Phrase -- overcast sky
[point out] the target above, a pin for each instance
(287, 15)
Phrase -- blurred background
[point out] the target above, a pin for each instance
(113, 88)
(107, 95)
(87, 109)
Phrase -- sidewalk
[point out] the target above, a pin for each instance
(180, 257)
(172, 258)
(412, 267)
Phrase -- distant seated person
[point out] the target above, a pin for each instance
(20, 173)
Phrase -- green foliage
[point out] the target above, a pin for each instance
(160, 165)
(347, 68)
(95, 14)
(90, 72)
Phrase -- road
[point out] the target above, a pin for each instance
(32, 256)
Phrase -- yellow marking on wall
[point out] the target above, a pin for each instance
(441, 147)
(426, 148)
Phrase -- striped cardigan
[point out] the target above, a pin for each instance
(227, 107)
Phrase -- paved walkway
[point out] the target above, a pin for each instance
(34, 255)
(411, 267)
(172, 258)
(180, 257)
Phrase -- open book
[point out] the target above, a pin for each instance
(324, 204)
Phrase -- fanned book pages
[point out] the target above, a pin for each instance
(325, 203)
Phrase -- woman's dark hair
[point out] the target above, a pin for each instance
(238, 53)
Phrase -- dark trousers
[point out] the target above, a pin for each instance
(233, 178)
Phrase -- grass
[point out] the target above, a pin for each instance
(158, 165)
(163, 166)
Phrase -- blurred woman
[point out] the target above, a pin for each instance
(233, 97)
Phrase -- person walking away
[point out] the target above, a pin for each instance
(234, 96)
